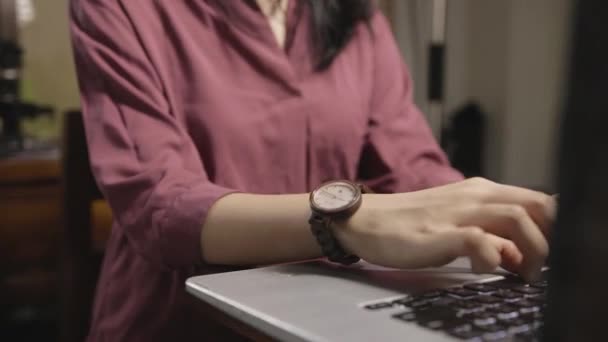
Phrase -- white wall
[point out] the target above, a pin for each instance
(538, 59)
(49, 77)
(510, 57)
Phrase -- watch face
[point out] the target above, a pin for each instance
(335, 196)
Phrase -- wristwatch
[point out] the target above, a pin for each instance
(334, 201)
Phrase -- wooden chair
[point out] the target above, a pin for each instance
(81, 261)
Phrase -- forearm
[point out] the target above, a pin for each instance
(244, 229)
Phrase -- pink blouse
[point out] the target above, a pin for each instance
(187, 101)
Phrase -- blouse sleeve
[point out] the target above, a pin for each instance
(400, 153)
(143, 159)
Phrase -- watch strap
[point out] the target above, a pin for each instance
(332, 249)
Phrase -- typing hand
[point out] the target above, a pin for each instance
(492, 224)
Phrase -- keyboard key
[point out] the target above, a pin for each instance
(403, 301)
(444, 301)
(445, 324)
(379, 306)
(435, 319)
(491, 328)
(525, 303)
(541, 284)
(466, 313)
(437, 312)
(432, 294)
(528, 289)
(518, 329)
(434, 324)
(457, 323)
(480, 287)
(513, 322)
(439, 318)
(465, 304)
(465, 332)
(507, 316)
(499, 335)
(461, 292)
(504, 308)
(529, 310)
(508, 295)
(487, 300)
(417, 304)
(432, 299)
(480, 319)
(406, 316)
(507, 283)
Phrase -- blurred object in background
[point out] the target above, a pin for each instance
(464, 140)
(420, 28)
(30, 238)
(13, 110)
(25, 12)
(84, 241)
(30, 197)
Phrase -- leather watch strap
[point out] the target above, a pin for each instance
(320, 226)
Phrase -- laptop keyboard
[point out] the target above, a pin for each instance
(502, 310)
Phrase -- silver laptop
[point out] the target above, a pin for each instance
(318, 301)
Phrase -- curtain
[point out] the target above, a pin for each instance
(412, 22)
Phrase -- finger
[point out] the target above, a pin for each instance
(541, 207)
(514, 223)
(511, 256)
(471, 242)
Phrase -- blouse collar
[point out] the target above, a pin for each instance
(247, 16)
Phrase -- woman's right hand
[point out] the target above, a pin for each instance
(492, 224)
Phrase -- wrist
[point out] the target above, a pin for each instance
(348, 231)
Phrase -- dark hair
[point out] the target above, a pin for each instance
(333, 24)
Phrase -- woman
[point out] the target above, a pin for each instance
(209, 121)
